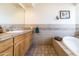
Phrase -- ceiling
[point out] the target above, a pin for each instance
(28, 5)
(33, 5)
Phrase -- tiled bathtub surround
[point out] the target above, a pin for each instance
(51, 29)
(77, 30)
(48, 31)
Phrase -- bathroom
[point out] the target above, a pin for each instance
(55, 21)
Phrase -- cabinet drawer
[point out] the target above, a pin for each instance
(8, 52)
(6, 44)
(29, 33)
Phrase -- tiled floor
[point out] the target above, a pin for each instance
(41, 47)
(41, 50)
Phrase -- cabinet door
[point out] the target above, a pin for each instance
(22, 48)
(16, 50)
(19, 45)
(4, 45)
(19, 49)
(22, 44)
(8, 52)
(28, 41)
(26, 45)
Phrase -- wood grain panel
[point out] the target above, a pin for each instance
(6, 44)
(58, 49)
(8, 52)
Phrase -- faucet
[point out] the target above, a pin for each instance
(1, 30)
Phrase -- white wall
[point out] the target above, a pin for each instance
(11, 14)
(77, 13)
(46, 14)
(77, 19)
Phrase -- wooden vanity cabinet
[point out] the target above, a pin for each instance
(16, 46)
(19, 45)
(8, 52)
(19, 49)
(28, 41)
(22, 43)
(6, 47)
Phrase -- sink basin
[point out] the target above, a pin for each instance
(19, 31)
(15, 31)
(10, 34)
(4, 36)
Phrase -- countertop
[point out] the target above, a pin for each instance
(11, 34)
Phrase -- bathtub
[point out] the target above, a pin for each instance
(72, 43)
